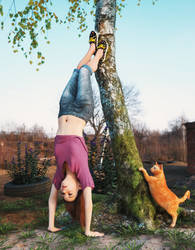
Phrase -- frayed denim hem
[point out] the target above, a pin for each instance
(88, 67)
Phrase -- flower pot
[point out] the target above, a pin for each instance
(26, 190)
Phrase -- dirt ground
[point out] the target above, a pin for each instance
(107, 242)
(176, 175)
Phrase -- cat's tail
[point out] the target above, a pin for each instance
(186, 196)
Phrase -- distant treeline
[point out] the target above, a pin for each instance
(161, 146)
(152, 145)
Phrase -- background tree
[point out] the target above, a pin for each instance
(177, 133)
(132, 102)
(134, 196)
(167, 145)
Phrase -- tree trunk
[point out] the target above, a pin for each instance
(135, 199)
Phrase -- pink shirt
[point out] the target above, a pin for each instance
(73, 150)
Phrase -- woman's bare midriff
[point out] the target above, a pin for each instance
(70, 125)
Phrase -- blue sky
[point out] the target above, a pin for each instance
(154, 51)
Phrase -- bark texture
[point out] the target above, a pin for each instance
(135, 199)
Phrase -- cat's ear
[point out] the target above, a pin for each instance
(161, 166)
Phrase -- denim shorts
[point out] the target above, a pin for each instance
(77, 97)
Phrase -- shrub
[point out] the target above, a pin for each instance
(29, 168)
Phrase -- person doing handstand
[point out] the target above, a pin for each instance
(72, 176)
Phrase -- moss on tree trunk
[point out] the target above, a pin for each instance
(135, 199)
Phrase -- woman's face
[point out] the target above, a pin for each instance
(69, 188)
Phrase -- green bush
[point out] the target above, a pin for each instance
(29, 168)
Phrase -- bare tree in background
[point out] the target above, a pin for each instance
(38, 131)
(132, 102)
(162, 145)
(178, 140)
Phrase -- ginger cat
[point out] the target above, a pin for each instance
(161, 193)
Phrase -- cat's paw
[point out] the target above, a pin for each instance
(141, 169)
(188, 194)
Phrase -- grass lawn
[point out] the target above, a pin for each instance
(23, 225)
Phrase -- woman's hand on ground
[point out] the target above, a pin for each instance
(94, 234)
(54, 229)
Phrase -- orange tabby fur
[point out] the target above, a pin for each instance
(161, 193)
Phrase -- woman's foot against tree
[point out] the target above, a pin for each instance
(102, 45)
(91, 51)
(93, 39)
(100, 55)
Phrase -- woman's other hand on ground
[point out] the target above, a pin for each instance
(94, 234)
(54, 229)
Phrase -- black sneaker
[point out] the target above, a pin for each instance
(93, 38)
(103, 45)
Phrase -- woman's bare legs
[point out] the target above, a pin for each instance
(88, 56)
(93, 63)
(84, 90)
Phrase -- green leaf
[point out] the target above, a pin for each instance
(1, 10)
(39, 55)
(48, 26)
(37, 16)
(2, 25)
(34, 44)
(30, 2)
(42, 10)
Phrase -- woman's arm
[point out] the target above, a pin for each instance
(88, 212)
(52, 208)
